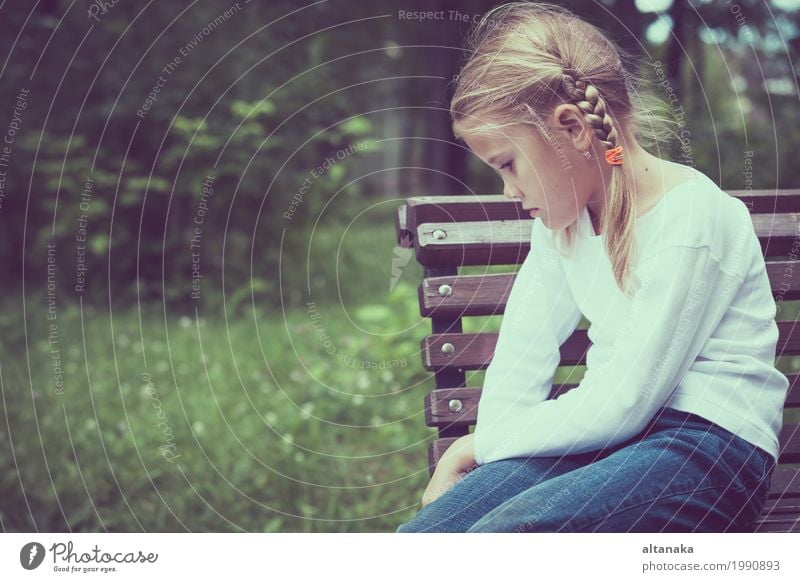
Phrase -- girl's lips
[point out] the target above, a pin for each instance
(534, 212)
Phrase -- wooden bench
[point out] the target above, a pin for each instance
(449, 232)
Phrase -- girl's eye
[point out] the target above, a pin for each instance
(506, 165)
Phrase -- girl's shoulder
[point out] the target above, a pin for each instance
(696, 213)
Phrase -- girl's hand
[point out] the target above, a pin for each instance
(457, 461)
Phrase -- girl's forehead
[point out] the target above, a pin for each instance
(510, 136)
(487, 143)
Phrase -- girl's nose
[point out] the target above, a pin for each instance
(511, 192)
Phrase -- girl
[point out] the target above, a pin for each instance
(674, 426)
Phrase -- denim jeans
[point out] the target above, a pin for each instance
(681, 473)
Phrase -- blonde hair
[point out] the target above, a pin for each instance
(525, 59)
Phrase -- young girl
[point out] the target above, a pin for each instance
(675, 424)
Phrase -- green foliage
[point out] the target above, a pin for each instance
(247, 109)
(272, 431)
(357, 126)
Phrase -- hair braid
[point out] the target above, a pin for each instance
(618, 217)
(588, 100)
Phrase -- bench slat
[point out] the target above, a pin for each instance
(780, 515)
(464, 412)
(507, 242)
(789, 441)
(449, 209)
(784, 526)
(478, 295)
(439, 412)
(785, 483)
(401, 224)
(778, 508)
(474, 351)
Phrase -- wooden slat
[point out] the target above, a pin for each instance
(435, 451)
(507, 242)
(780, 515)
(469, 208)
(788, 525)
(473, 243)
(769, 201)
(785, 483)
(475, 295)
(485, 207)
(789, 441)
(474, 351)
(401, 225)
(779, 507)
(470, 295)
(438, 411)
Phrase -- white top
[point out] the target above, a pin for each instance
(698, 336)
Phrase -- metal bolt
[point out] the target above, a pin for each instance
(448, 348)
(455, 405)
(439, 234)
(445, 290)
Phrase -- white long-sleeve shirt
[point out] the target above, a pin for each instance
(698, 336)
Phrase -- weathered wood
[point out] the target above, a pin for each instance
(458, 406)
(405, 237)
(476, 295)
(781, 506)
(789, 441)
(474, 351)
(785, 483)
(456, 209)
(507, 242)
(785, 525)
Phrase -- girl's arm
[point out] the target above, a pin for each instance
(683, 296)
(540, 315)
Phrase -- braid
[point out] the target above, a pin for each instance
(619, 213)
(588, 100)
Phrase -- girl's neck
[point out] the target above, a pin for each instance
(647, 175)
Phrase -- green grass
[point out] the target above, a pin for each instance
(195, 425)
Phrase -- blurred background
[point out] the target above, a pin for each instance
(201, 329)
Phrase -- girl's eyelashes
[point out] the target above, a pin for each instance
(507, 165)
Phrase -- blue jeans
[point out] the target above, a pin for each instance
(681, 473)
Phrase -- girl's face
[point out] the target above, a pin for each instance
(554, 177)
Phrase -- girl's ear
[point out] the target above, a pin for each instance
(569, 122)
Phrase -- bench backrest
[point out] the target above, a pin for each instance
(449, 232)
